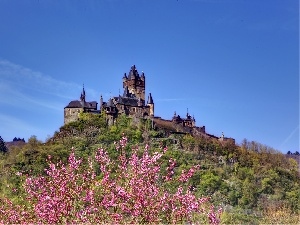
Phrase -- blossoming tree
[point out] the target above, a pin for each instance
(131, 189)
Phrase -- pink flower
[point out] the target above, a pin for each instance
(128, 190)
(18, 173)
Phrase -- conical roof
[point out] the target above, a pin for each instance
(150, 99)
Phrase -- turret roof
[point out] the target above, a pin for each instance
(150, 99)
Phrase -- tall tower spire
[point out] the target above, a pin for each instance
(82, 96)
(101, 101)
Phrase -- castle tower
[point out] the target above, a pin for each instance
(74, 108)
(82, 97)
(111, 112)
(193, 121)
(101, 102)
(150, 103)
(135, 83)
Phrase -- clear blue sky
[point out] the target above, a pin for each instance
(234, 64)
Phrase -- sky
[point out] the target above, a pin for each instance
(233, 64)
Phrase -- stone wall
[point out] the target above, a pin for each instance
(71, 114)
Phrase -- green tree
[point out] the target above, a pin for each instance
(293, 198)
(33, 142)
(3, 147)
(209, 183)
(249, 194)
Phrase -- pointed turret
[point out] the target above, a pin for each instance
(143, 76)
(193, 121)
(150, 103)
(101, 101)
(82, 96)
(110, 103)
(174, 116)
(132, 73)
(150, 99)
(125, 78)
(126, 92)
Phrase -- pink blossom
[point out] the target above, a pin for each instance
(129, 191)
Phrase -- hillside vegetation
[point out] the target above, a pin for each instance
(251, 182)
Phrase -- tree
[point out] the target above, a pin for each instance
(3, 147)
(33, 142)
(209, 183)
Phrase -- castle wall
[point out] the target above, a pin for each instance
(225, 139)
(137, 111)
(151, 109)
(71, 114)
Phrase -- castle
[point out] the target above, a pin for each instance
(133, 103)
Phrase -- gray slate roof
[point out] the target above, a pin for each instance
(77, 104)
(74, 104)
(126, 101)
(150, 99)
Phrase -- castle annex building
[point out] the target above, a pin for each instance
(133, 103)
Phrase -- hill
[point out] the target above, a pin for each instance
(252, 182)
(15, 142)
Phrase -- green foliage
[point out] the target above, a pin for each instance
(209, 183)
(293, 199)
(247, 177)
(239, 217)
(3, 148)
(189, 142)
